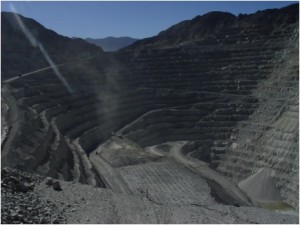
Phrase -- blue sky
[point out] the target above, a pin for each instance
(135, 19)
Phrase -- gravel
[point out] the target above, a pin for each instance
(85, 204)
(19, 202)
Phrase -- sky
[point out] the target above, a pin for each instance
(99, 19)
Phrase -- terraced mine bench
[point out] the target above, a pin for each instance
(170, 120)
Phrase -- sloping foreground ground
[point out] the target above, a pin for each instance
(142, 187)
(84, 204)
(95, 205)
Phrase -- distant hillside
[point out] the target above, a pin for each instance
(205, 26)
(23, 51)
(111, 44)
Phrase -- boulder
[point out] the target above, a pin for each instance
(23, 187)
(56, 186)
(48, 181)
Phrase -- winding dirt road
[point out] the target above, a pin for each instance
(30, 73)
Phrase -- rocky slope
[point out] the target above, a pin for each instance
(223, 91)
(84, 204)
(26, 44)
(249, 85)
(21, 203)
(212, 25)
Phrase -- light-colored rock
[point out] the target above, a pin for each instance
(260, 186)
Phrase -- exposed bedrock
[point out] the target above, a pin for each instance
(231, 94)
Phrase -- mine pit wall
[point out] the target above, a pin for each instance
(269, 138)
(32, 150)
(40, 146)
(204, 92)
(185, 124)
(129, 107)
(266, 68)
(219, 78)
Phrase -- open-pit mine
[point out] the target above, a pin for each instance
(199, 124)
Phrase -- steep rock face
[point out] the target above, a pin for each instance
(269, 138)
(206, 85)
(244, 57)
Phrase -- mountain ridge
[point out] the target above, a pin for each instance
(199, 26)
(111, 43)
(23, 52)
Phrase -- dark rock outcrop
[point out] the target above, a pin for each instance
(56, 186)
